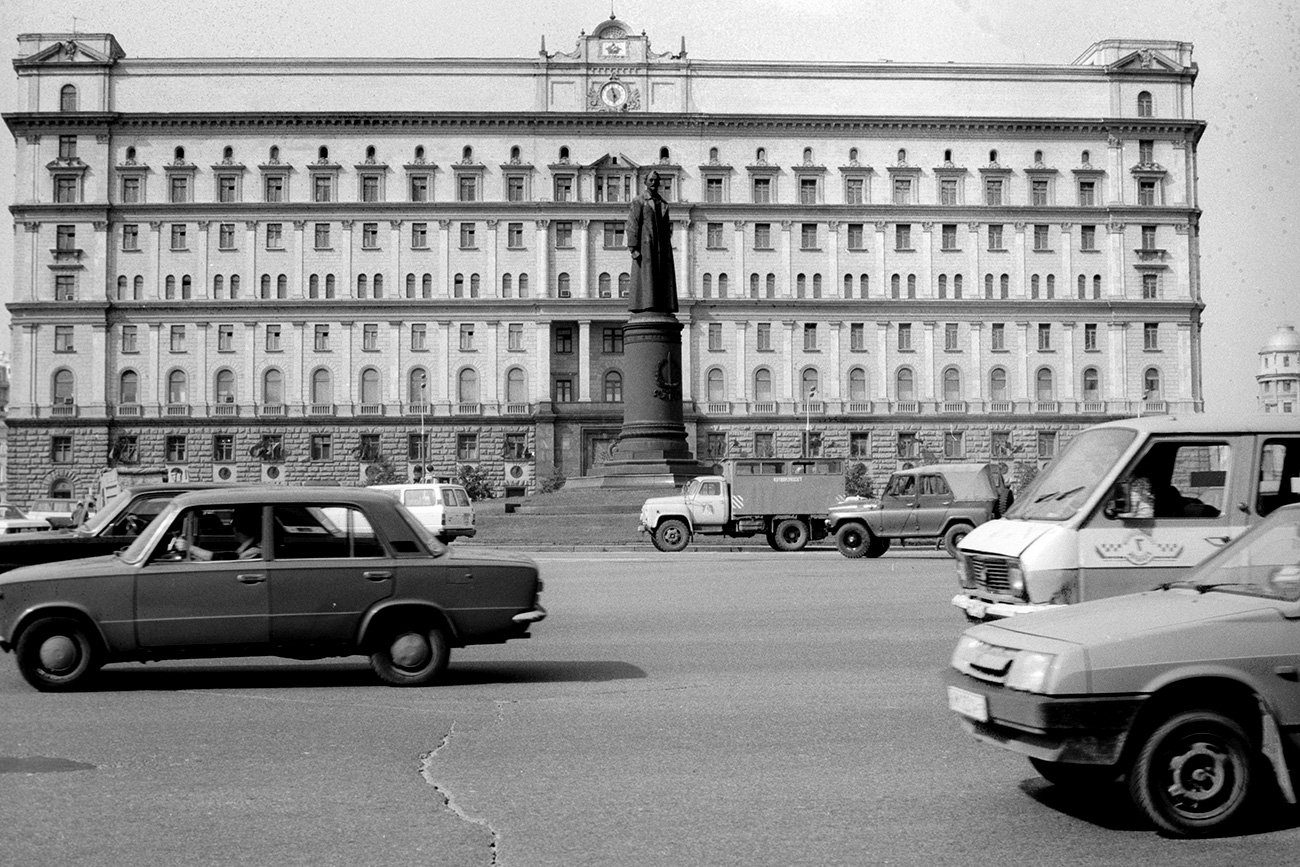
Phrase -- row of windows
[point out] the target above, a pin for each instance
(177, 448)
(905, 445)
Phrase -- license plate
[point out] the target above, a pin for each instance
(967, 703)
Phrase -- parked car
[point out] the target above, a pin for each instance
(114, 526)
(444, 509)
(55, 511)
(14, 520)
(940, 501)
(305, 573)
(1189, 691)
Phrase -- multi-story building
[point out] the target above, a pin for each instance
(289, 269)
(1279, 372)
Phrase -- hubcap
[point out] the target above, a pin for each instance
(1199, 775)
(58, 653)
(410, 650)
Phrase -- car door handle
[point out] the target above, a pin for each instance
(251, 578)
(376, 576)
(1218, 541)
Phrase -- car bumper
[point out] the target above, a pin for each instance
(536, 615)
(1076, 729)
(979, 609)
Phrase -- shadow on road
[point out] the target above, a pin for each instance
(127, 677)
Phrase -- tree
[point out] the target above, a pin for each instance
(475, 482)
(857, 483)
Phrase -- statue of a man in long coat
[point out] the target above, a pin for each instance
(649, 237)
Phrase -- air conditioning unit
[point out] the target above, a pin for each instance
(518, 473)
(177, 474)
(225, 473)
(272, 474)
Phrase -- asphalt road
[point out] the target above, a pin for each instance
(675, 709)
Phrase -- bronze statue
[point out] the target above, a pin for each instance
(649, 237)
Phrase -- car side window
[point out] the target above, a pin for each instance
(902, 486)
(711, 489)
(1180, 480)
(1279, 474)
(934, 485)
(314, 532)
(137, 516)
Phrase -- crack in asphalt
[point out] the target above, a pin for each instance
(449, 800)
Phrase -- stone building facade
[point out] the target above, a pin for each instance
(292, 270)
(1279, 372)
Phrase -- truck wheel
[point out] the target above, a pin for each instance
(57, 654)
(1193, 774)
(410, 656)
(853, 540)
(791, 535)
(771, 540)
(955, 534)
(1072, 776)
(878, 546)
(671, 535)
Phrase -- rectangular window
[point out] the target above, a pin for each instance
(1087, 194)
(563, 233)
(948, 191)
(322, 236)
(1038, 193)
(67, 147)
(763, 337)
(61, 449)
(1151, 336)
(564, 391)
(612, 340)
(65, 238)
(322, 188)
(905, 337)
(715, 444)
(1044, 337)
(274, 236)
(178, 236)
(563, 340)
(1046, 445)
(857, 337)
(995, 237)
(713, 236)
(713, 190)
(177, 338)
(321, 338)
(715, 336)
(902, 191)
(466, 336)
(369, 188)
(950, 340)
(515, 337)
(564, 188)
(808, 236)
(468, 236)
(419, 236)
(993, 191)
(369, 236)
(274, 187)
(860, 444)
(1146, 151)
(417, 447)
(762, 191)
(226, 188)
(1041, 241)
(1150, 287)
(998, 336)
(370, 338)
(909, 445)
(954, 444)
(764, 445)
(903, 237)
(63, 338)
(1146, 192)
(225, 338)
(516, 447)
(949, 236)
(223, 448)
(809, 336)
(807, 191)
(762, 236)
(467, 188)
(419, 338)
(66, 189)
(226, 236)
(131, 190)
(419, 188)
(514, 188)
(129, 339)
(614, 235)
(853, 191)
(322, 447)
(180, 189)
(856, 237)
(1000, 444)
(273, 338)
(65, 287)
(1149, 238)
(175, 448)
(467, 447)
(368, 450)
(1088, 238)
(1090, 338)
(515, 236)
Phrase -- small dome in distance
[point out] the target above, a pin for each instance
(1285, 340)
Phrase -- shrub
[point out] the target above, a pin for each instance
(549, 481)
(475, 482)
(857, 483)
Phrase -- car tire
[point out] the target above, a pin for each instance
(1073, 776)
(57, 654)
(791, 534)
(410, 655)
(1193, 774)
(953, 536)
(879, 545)
(672, 535)
(853, 540)
(771, 541)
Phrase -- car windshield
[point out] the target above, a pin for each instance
(10, 512)
(1263, 562)
(1067, 482)
(96, 523)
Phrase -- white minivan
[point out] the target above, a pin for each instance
(1127, 506)
(445, 509)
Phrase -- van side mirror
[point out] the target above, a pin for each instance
(1130, 500)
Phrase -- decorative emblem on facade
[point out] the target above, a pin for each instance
(668, 381)
(613, 95)
(69, 50)
(1139, 550)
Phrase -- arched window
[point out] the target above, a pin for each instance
(419, 152)
(1151, 389)
(370, 152)
(516, 386)
(370, 393)
(1083, 286)
(234, 286)
(329, 285)
(417, 386)
(473, 285)
(170, 287)
(225, 385)
(951, 384)
(378, 287)
(281, 287)
(362, 283)
(906, 384)
(266, 286)
(771, 285)
(863, 281)
(61, 489)
(1045, 384)
(1096, 286)
(130, 154)
(763, 385)
(857, 384)
(128, 387)
(943, 285)
(1033, 286)
(817, 286)
(274, 155)
(713, 155)
(322, 386)
(1051, 285)
(988, 285)
(179, 154)
(313, 286)
(722, 285)
(63, 386)
(514, 153)
(1038, 157)
(760, 155)
(273, 388)
(122, 288)
(997, 384)
(848, 285)
(895, 286)
(853, 155)
(707, 286)
(613, 387)
(807, 156)
(564, 154)
(467, 386)
(800, 286)
(562, 289)
(947, 155)
(177, 387)
(137, 289)
(410, 285)
(716, 385)
(467, 154)
(902, 156)
(507, 285)
(956, 286)
(911, 285)
(68, 98)
(1091, 384)
(523, 285)
(1005, 286)
(426, 286)
(624, 284)
(605, 285)
(227, 153)
(1145, 108)
(663, 154)
(1085, 158)
(993, 157)
(754, 285)
(322, 153)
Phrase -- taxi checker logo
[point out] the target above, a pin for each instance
(1139, 550)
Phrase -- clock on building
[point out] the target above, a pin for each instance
(614, 94)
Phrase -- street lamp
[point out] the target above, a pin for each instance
(807, 420)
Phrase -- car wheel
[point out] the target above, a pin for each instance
(1192, 776)
(853, 540)
(57, 654)
(878, 546)
(672, 535)
(410, 656)
(1072, 776)
(791, 535)
(771, 541)
(955, 534)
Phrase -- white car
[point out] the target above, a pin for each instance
(444, 509)
(14, 520)
(56, 512)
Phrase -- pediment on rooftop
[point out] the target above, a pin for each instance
(1145, 59)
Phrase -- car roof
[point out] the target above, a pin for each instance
(244, 494)
(1207, 423)
(180, 487)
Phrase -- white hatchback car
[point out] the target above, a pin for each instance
(444, 509)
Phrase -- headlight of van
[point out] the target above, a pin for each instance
(963, 573)
(1030, 671)
(1016, 581)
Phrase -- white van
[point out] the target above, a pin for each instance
(444, 509)
(1127, 506)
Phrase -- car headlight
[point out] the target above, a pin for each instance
(1016, 580)
(1030, 671)
(967, 650)
(963, 573)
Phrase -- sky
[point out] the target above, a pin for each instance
(1247, 90)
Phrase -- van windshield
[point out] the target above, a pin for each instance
(1067, 482)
